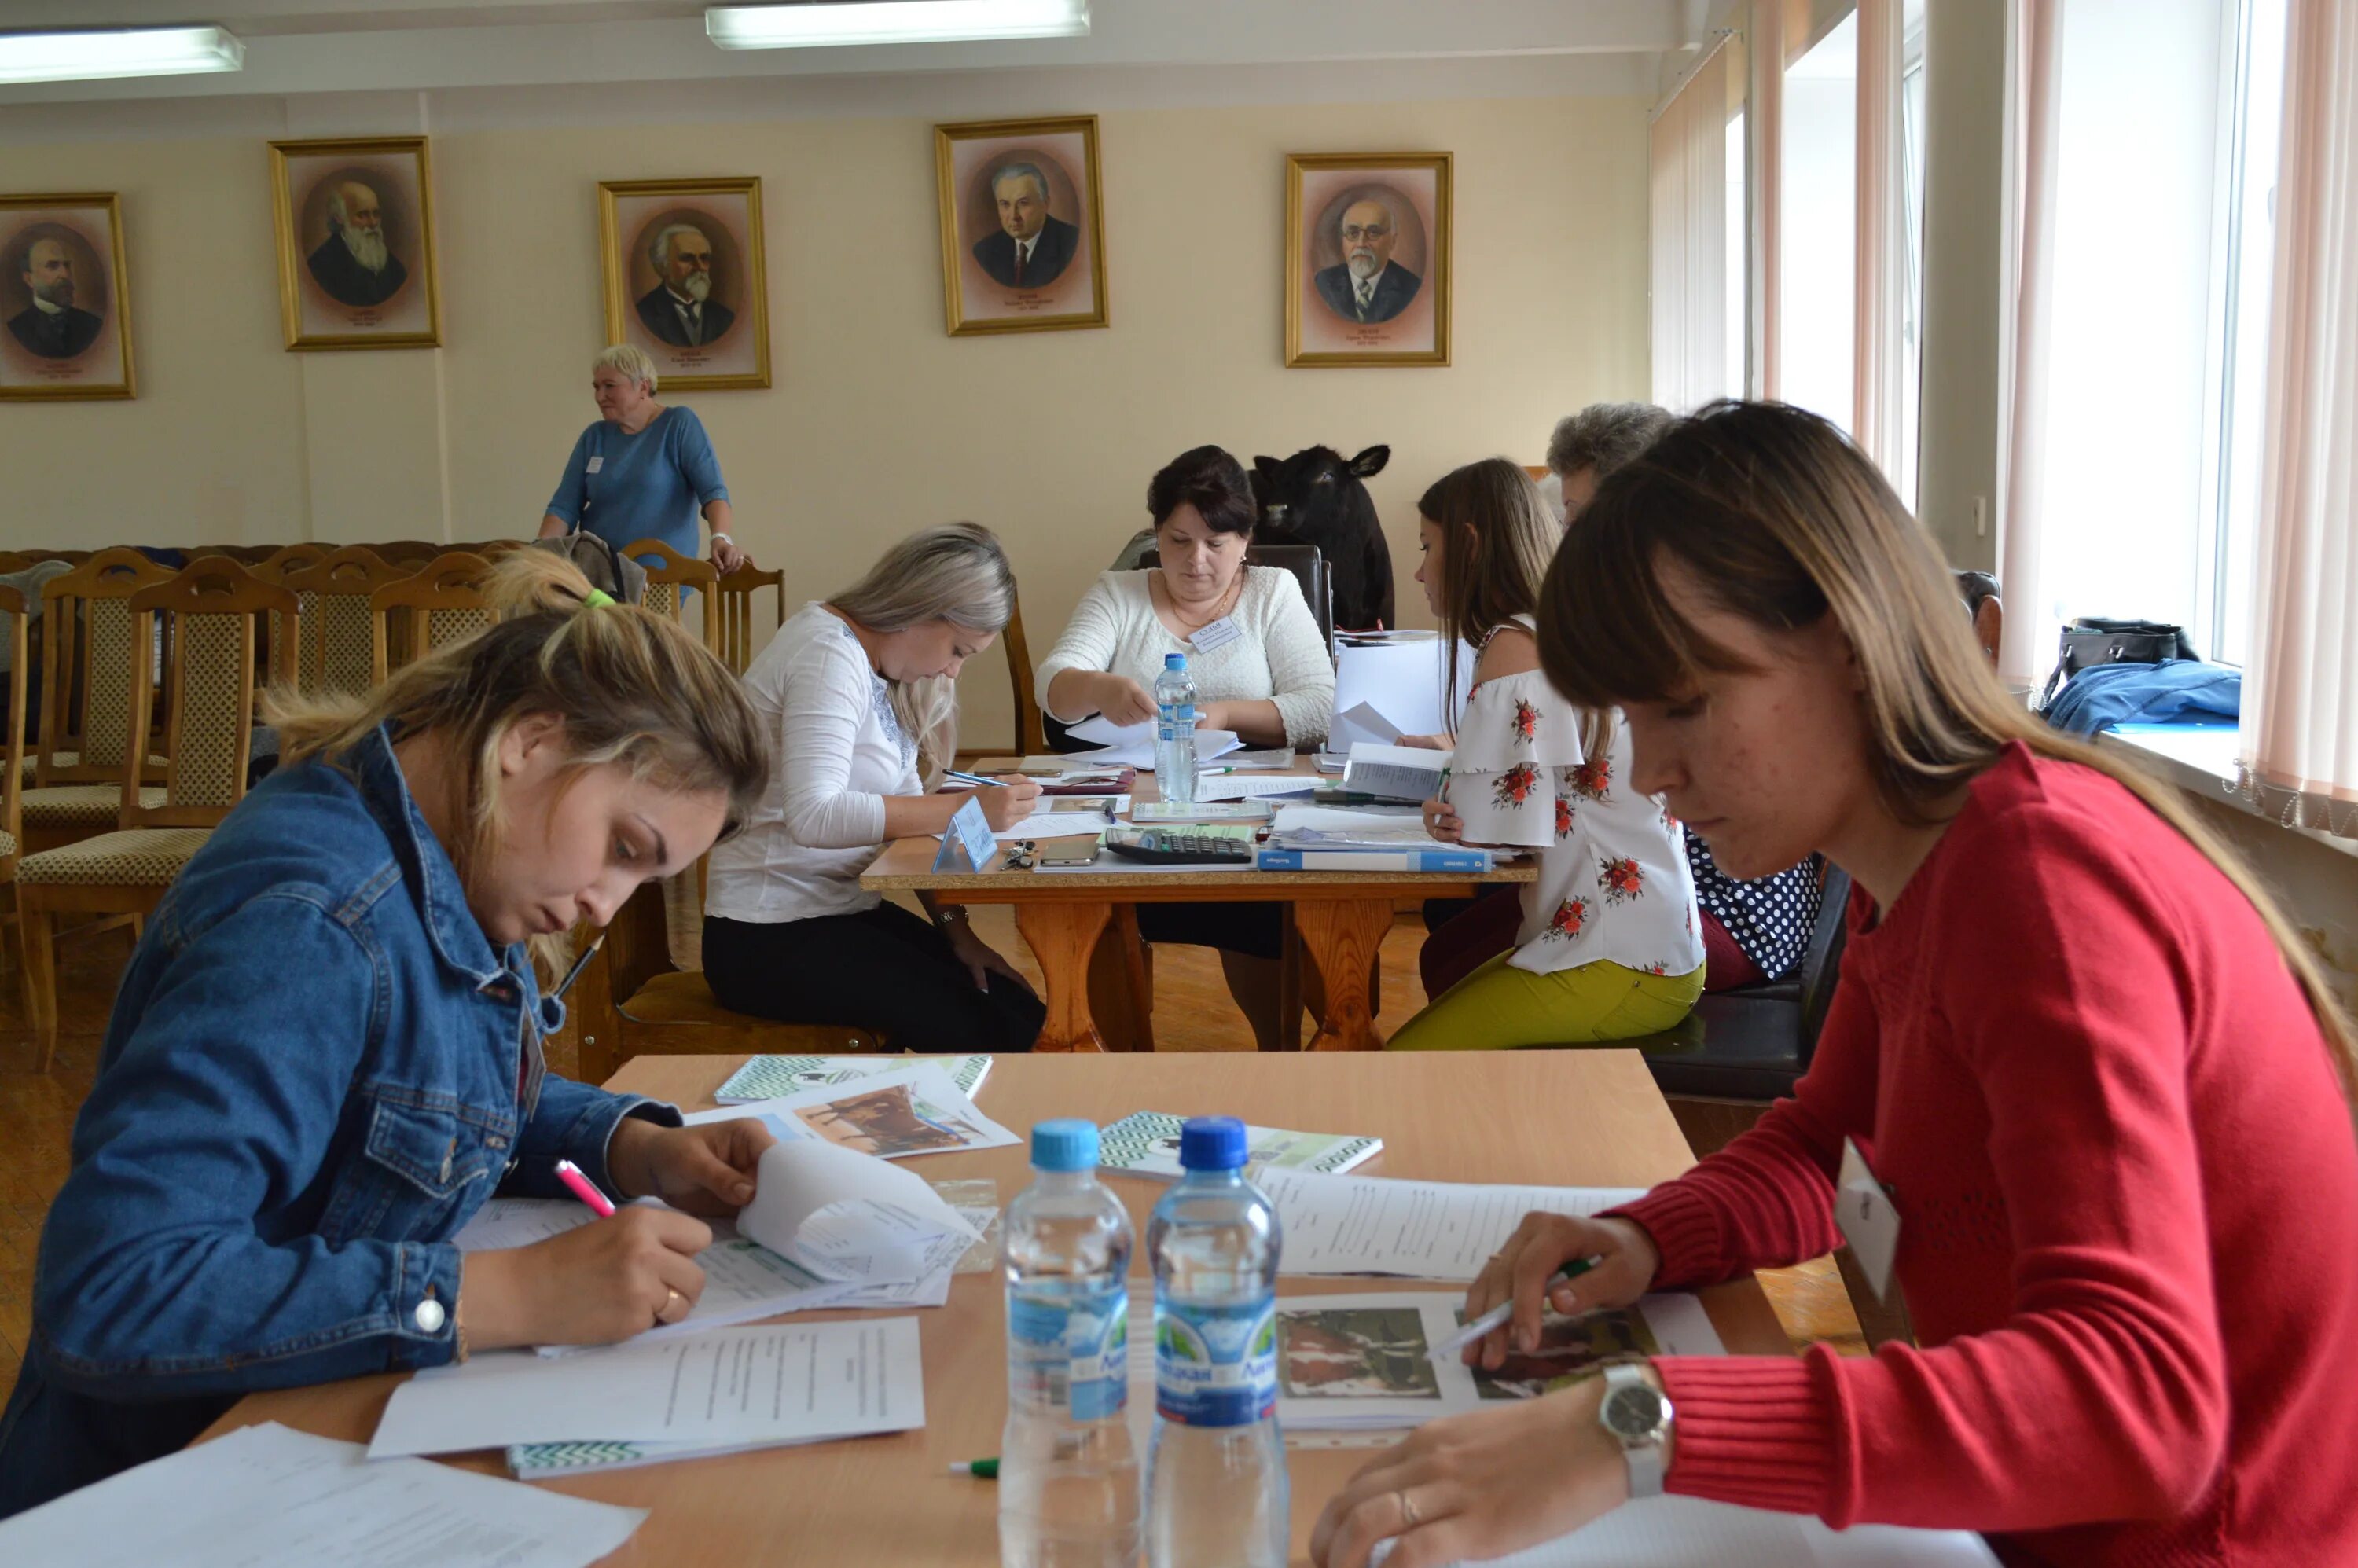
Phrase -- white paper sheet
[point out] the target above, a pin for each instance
(1132, 745)
(1421, 1230)
(1252, 786)
(1410, 773)
(765, 1383)
(1389, 821)
(1679, 1533)
(911, 1110)
(268, 1495)
(1399, 680)
(847, 1215)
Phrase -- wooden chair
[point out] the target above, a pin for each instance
(12, 777)
(88, 674)
(276, 565)
(416, 552)
(332, 602)
(221, 613)
(1031, 723)
(732, 610)
(441, 603)
(632, 1001)
(668, 572)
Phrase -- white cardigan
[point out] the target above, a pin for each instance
(840, 752)
(1279, 658)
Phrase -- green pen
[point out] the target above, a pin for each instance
(980, 1469)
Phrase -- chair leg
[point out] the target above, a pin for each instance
(41, 978)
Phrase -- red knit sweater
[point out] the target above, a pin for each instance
(2125, 1177)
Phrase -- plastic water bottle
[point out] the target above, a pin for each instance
(1068, 1482)
(1216, 1496)
(1174, 730)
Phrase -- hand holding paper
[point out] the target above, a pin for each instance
(847, 1215)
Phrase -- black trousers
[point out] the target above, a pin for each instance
(883, 969)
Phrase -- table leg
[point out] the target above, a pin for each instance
(1062, 937)
(1342, 936)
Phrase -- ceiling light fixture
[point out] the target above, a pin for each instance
(88, 55)
(821, 24)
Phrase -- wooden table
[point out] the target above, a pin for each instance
(1341, 915)
(1575, 1118)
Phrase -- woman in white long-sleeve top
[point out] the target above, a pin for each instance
(859, 691)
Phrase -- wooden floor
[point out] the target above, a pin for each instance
(1193, 1012)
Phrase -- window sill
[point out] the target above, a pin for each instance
(2202, 763)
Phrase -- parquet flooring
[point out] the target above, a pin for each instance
(1193, 1012)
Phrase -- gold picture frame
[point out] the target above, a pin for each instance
(720, 342)
(365, 279)
(1396, 314)
(64, 353)
(985, 286)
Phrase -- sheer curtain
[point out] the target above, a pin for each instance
(2300, 740)
(2035, 27)
(1689, 155)
(1880, 242)
(1765, 109)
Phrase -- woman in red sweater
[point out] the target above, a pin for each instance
(2102, 1082)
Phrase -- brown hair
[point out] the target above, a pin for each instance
(629, 686)
(1783, 521)
(1496, 538)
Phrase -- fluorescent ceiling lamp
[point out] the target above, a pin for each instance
(125, 51)
(819, 24)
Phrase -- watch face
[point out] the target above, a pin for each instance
(1633, 1414)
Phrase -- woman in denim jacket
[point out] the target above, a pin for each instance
(326, 1054)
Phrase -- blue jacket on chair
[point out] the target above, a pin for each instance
(317, 1070)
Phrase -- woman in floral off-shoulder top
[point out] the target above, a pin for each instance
(1608, 948)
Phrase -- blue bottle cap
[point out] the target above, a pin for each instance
(1065, 1144)
(1212, 1144)
(1174, 661)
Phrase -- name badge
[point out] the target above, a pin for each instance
(1218, 634)
(1864, 1212)
(595, 464)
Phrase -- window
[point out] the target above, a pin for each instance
(1911, 175)
(1738, 276)
(1816, 261)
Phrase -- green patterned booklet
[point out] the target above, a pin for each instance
(1146, 1143)
(774, 1077)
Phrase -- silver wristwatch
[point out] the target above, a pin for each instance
(1636, 1415)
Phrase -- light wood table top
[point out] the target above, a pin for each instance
(1574, 1117)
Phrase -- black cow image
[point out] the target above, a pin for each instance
(1319, 497)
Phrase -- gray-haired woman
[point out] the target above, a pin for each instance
(642, 470)
(858, 690)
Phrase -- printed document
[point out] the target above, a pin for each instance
(1419, 1231)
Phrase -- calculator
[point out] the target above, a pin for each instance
(1182, 847)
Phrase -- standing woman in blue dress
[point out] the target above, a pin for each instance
(642, 470)
(326, 1052)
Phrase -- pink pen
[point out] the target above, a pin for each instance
(583, 1188)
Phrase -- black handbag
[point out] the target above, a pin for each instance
(2093, 639)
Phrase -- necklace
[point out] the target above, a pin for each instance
(1220, 609)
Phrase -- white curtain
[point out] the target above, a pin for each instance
(1877, 352)
(2027, 650)
(1765, 124)
(1689, 156)
(2300, 740)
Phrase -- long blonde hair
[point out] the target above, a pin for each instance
(1783, 521)
(954, 572)
(628, 687)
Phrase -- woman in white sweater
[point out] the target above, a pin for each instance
(859, 692)
(1260, 668)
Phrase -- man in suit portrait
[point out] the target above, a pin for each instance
(352, 264)
(1366, 284)
(53, 326)
(1032, 246)
(680, 310)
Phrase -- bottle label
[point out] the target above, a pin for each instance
(1216, 1366)
(1172, 716)
(1069, 1351)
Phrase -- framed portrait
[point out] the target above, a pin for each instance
(685, 278)
(64, 297)
(1368, 259)
(355, 244)
(1022, 225)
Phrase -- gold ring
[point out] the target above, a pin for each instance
(665, 1314)
(1408, 1510)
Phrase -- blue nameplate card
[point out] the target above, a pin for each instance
(969, 845)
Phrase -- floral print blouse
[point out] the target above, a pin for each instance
(1613, 882)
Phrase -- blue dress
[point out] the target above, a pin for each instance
(651, 485)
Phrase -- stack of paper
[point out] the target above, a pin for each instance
(1390, 685)
(1411, 773)
(1365, 1362)
(774, 1077)
(1146, 1143)
(1419, 1231)
(1132, 745)
(266, 1493)
(731, 1387)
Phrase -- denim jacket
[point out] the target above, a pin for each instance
(317, 1070)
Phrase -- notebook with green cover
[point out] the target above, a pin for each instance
(774, 1077)
(1146, 1143)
